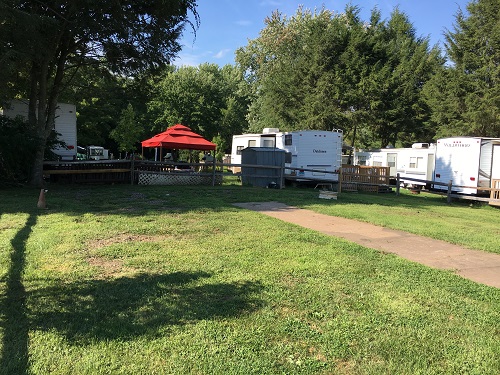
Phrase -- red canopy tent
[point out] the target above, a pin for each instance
(179, 137)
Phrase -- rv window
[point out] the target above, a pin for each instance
(414, 162)
(268, 142)
(252, 143)
(288, 139)
(238, 150)
(288, 157)
(391, 160)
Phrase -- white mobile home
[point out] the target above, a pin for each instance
(65, 124)
(384, 157)
(311, 153)
(416, 162)
(469, 162)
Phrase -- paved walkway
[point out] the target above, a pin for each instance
(479, 266)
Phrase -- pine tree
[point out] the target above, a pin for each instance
(465, 96)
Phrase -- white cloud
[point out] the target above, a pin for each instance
(244, 23)
(222, 53)
(186, 59)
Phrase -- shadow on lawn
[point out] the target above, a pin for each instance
(144, 305)
(14, 319)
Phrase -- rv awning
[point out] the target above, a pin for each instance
(179, 137)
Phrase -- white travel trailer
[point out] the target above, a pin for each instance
(383, 157)
(65, 125)
(316, 150)
(416, 162)
(470, 162)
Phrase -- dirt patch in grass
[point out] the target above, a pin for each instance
(122, 238)
(115, 267)
(109, 265)
(109, 268)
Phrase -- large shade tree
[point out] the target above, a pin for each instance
(100, 96)
(211, 100)
(43, 43)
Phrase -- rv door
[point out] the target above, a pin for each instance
(392, 159)
(495, 166)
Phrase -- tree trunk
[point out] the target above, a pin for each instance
(37, 114)
(42, 110)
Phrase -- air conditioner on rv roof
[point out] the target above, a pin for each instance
(420, 145)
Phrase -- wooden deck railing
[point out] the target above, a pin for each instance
(495, 192)
(364, 178)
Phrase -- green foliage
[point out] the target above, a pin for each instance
(99, 96)
(465, 96)
(127, 133)
(17, 145)
(221, 147)
(46, 44)
(208, 99)
(324, 70)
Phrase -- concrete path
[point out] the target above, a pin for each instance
(479, 266)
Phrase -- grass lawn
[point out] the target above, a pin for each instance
(175, 280)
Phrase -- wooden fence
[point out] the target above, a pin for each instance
(109, 171)
(132, 171)
(365, 178)
(352, 178)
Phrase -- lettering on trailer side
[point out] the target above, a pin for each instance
(445, 144)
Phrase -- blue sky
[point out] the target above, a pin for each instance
(227, 25)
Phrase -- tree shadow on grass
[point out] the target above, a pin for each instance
(128, 307)
(13, 310)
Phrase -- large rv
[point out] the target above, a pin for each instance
(310, 154)
(416, 162)
(468, 162)
(65, 125)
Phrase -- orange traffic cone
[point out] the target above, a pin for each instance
(41, 199)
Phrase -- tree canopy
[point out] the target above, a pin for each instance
(323, 70)
(465, 95)
(210, 100)
(43, 44)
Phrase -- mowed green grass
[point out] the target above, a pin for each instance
(176, 280)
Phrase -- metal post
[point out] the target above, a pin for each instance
(213, 171)
(398, 184)
(132, 167)
(339, 185)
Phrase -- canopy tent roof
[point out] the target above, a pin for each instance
(179, 137)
